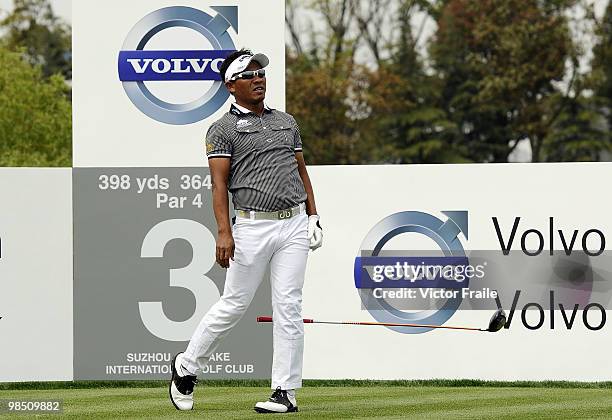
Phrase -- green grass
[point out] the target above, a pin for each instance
(108, 400)
(7, 386)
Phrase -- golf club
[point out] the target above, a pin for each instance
(497, 322)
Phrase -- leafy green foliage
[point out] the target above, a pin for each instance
(45, 40)
(320, 93)
(603, 55)
(495, 75)
(498, 62)
(490, 78)
(579, 133)
(35, 115)
(601, 76)
(411, 126)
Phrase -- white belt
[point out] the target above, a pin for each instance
(272, 215)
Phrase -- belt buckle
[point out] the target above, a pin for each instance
(284, 214)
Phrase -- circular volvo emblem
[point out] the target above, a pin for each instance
(137, 65)
(444, 234)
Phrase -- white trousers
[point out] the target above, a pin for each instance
(283, 244)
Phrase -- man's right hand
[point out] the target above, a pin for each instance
(225, 249)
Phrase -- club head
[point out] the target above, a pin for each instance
(498, 321)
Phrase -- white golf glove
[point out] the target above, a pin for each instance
(315, 232)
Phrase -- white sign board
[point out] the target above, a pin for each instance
(35, 274)
(158, 115)
(353, 199)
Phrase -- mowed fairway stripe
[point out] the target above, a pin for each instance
(334, 402)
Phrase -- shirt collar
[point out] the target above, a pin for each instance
(242, 110)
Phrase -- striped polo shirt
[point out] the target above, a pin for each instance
(263, 168)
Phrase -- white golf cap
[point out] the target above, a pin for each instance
(242, 62)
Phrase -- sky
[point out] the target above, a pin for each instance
(62, 8)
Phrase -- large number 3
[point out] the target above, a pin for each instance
(191, 277)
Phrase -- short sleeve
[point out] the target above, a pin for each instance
(218, 143)
(297, 138)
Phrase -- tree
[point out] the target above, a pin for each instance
(579, 133)
(601, 81)
(498, 63)
(369, 112)
(35, 115)
(323, 83)
(325, 102)
(43, 38)
(407, 124)
(496, 74)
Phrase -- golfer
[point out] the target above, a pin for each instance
(255, 152)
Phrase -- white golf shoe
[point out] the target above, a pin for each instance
(279, 402)
(181, 386)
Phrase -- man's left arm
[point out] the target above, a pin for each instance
(315, 232)
(311, 207)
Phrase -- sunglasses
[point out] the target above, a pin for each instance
(249, 74)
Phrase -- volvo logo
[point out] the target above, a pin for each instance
(137, 66)
(444, 233)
